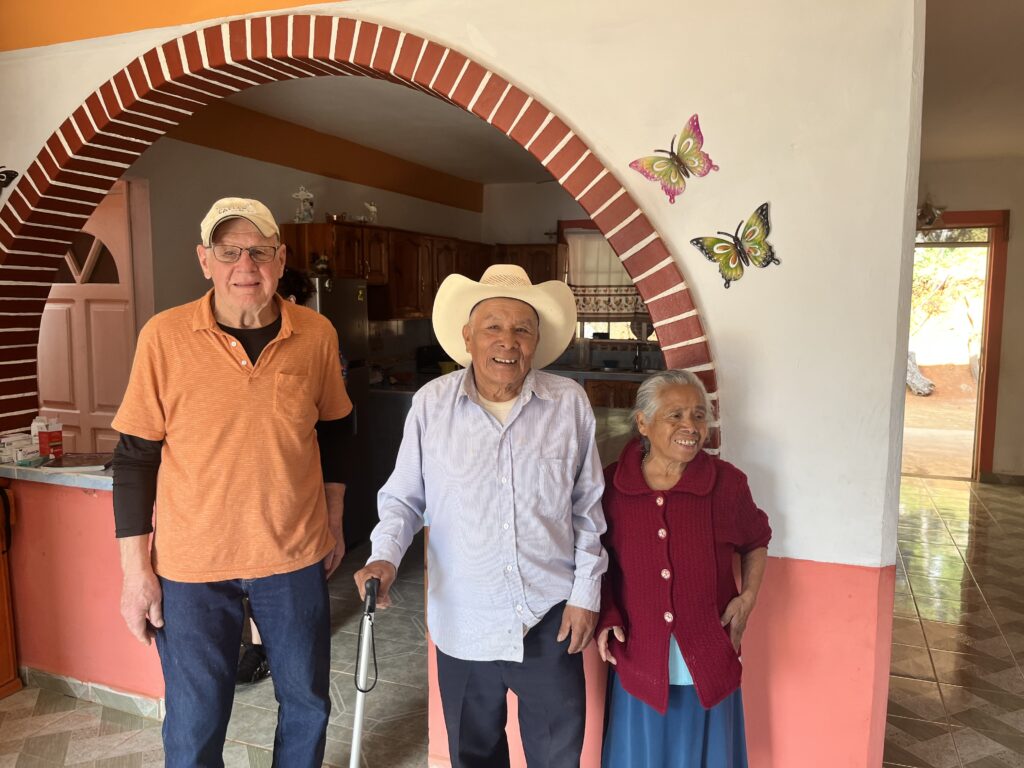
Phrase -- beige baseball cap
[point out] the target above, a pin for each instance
(238, 208)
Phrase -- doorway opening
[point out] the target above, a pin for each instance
(952, 366)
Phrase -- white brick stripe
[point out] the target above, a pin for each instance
(522, 111)
(609, 201)
(376, 43)
(458, 78)
(687, 343)
(558, 148)
(479, 90)
(543, 125)
(681, 286)
(625, 222)
(601, 175)
(497, 105)
(675, 318)
(398, 52)
(638, 247)
(656, 268)
(440, 66)
(572, 170)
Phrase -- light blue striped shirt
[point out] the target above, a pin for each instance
(514, 510)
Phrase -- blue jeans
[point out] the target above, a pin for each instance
(198, 648)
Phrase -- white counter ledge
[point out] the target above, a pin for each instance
(99, 481)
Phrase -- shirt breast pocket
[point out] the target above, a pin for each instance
(293, 398)
(548, 485)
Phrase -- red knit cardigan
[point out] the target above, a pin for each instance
(671, 569)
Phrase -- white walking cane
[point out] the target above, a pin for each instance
(365, 652)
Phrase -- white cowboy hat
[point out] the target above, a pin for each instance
(553, 301)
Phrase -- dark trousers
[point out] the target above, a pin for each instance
(552, 702)
(198, 648)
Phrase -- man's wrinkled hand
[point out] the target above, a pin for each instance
(579, 623)
(378, 569)
(142, 604)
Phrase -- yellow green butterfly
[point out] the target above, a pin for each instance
(682, 160)
(749, 245)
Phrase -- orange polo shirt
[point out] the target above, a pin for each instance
(239, 493)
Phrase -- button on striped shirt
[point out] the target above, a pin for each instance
(514, 510)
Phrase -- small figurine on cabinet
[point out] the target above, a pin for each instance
(371, 212)
(304, 212)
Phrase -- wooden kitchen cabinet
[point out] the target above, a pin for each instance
(540, 260)
(611, 394)
(446, 260)
(352, 250)
(307, 242)
(375, 255)
(347, 258)
(411, 275)
(405, 269)
(460, 257)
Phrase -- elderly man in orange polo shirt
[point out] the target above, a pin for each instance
(227, 400)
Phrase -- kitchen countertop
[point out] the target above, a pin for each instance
(99, 481)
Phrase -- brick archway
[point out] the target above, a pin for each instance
(162, 88)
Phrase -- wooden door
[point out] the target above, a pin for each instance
(375, 255)
(87, 332)
(409, 283)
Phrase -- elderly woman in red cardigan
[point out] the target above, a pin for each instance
(671, 614)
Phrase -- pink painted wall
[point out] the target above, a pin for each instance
(66, 585)
(816, 667)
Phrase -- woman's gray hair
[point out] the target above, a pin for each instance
(648, 395)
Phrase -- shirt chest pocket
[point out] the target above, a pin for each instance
(293, 398)
(545, 485)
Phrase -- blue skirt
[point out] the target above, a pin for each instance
(686, 736)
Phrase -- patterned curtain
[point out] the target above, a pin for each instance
(601, 285)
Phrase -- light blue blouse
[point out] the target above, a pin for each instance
(678, 672)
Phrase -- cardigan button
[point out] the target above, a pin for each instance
(665, 574)
(662, 533)
(660, 501)
(668, 617)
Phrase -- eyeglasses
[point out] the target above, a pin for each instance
(229, 254)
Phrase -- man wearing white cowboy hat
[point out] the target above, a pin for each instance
(500, 461)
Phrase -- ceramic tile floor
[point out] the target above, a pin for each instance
(956, 688)
(42, 729)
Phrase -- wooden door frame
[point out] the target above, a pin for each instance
(998, 223)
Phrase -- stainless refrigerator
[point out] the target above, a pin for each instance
(343, 302)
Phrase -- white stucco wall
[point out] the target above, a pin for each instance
(985, 185)
(526, 213)
(815, 108)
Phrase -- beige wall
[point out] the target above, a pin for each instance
(998, 184)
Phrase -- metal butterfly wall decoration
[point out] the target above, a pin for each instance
(6, 176)
(680, 161)
(748, 246)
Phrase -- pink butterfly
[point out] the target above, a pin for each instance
(682, 160)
